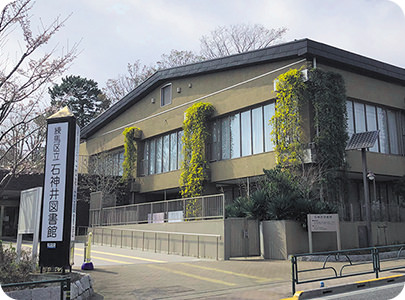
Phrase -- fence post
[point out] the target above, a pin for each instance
(132, 240)
(217, 248)
(203, 207)
(121, 237)
(293, 267)
(376, 261)
(182, 245)
(102, 236)
(223, 206)
(198, 246)
(168, 243)
(111, 237)
(143, 240)
(155, 241)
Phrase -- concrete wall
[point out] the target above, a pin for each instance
(187, 245)
(284, 238)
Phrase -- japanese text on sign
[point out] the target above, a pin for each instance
(54, 185)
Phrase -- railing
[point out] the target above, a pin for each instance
(204, 207)
(345, 263)
(64, 285)
(380, 212)
(176, 242)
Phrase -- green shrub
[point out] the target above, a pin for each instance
(281, 196)
(12, 271)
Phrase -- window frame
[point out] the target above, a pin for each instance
(163, 101)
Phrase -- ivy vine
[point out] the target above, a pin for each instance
(196, 134)
(130, 154)
(287, 120)
(325, 92)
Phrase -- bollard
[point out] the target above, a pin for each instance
(88, 265)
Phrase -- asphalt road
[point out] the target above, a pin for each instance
(121, 273)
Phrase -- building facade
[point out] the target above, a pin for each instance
(241, 88)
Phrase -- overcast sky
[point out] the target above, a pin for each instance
(113, 33)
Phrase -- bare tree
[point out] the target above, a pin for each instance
(239, 38)
(223, 41)
(22, 82)
(137, 73)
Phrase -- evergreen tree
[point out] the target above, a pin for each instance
(82, 96)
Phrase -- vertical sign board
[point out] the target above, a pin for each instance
(59, 192)
(323, 223)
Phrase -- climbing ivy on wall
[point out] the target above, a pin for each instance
(130, 154)
(287, 120)
(325, 92)
(196, 134)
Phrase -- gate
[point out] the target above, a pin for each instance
(242, 236)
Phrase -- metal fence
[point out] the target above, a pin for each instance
(344, 263)
(181, 243)
(379, 212)
(198, 208)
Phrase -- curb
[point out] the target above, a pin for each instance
(365, 284)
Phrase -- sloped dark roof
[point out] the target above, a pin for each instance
(24, 181)
(299, 49)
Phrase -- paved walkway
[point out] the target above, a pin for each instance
(133, 274)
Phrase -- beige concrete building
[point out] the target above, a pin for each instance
(241, 88)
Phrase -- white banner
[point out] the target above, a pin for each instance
(54, 182)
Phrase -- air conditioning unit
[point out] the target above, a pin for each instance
(275, 84)
(309, 156)
(135, 187)
(305, 74)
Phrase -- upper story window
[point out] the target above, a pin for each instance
(166, 95)
(368, 117)
(242, 134)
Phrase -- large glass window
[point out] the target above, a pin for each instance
(359, 117)
(166, 153)
(235, 136)
(173, 151)
(382, 126)
(246, 133)
(371, 118)
(163, 153)
(368, 117)
(257, 128)
(107, 163)
(269, 111)
(241, 134)
(393, 132)
(159, 155)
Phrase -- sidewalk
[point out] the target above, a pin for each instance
(203, 279)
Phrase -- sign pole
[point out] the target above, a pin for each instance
(58, 214)
(309, 233)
